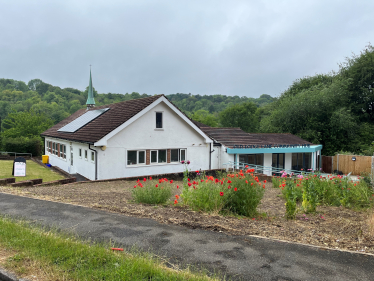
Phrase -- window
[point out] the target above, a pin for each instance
(56, 149)
(301, 161)
(53, 148)
(135, 157)
(85, 154)
(154, 156)
(158, 120)
(80, 152)
(174, 155)
(61, 150)
(92, 156)
(161, 156)
(182, 155)
(64, 151)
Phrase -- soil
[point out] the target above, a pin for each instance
(330, 227)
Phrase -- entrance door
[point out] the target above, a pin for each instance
(277, 162)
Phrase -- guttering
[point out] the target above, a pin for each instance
(89, 147)
(210, 156)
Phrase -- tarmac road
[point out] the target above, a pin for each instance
(239, 257)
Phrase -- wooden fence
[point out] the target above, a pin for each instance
(346, 164)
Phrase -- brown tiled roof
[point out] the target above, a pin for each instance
(102, 125)
(236, 136)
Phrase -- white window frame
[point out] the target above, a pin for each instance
(137, 158)
(92, 156)
(64, 147)
(180, 154)
(150, 157)
(162, 121)
(85, 155)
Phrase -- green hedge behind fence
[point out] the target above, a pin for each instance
(23, 145)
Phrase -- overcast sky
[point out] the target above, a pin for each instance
(244, 48)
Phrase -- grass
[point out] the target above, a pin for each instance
(64, 257)
(33, 171)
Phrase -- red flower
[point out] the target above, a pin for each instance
(171, 181)
(177, 196)
(229, 187)
(165, 179)
(251, 183)
(175, 201)
(263, 186)
(246, 181)
(197, 171)
(156, 185)
(189, 180)
(194, 187)
(201, 180)
(283, 185)
(134, 186)
(177, 186)
(246, 166)
(221, 193)
(144, 179)
(150, 178)
(229, 181)
(264, 181)
(189, 184)
(235, 189)
(138, 180)
(217, 180)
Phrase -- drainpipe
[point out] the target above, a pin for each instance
(89, 147)
(210, 156)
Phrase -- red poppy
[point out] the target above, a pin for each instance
(201, 180)
(194, 187)
(229, 187)
(171, 181)
(221, 193)
(134, 186)
(217, 180)
(177, 186)
(197, 171)
(283, 185)
(144, 179)
(189, 184)
(263, 186)
(165, 179)
(189, 180)
(177, 196)
(229, 181)
(246, 181)
(138, 180)
(150, 178)
(264, 181)
(156, 185)
(251, 183)
(235, 189)
(175, 201)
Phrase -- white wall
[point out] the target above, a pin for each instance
(267, 163)
(288, 161)
(82, 166)
(142, 135)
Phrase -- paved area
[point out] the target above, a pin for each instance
(239, 257)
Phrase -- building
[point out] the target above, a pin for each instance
(151, 136)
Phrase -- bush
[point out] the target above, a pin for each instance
(23, 145)
(238, 193)
(152, 192)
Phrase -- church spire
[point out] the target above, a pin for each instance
(90, 99)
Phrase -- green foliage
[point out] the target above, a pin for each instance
(203, 116)
(25, 124)
(152, 192)
(237, 193)
(240, 115)
(33, 145)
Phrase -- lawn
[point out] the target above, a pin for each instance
(33, 171)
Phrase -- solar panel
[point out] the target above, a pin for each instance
(83, 120)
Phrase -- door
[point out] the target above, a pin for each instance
(277, 163)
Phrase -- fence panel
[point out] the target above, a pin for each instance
(327, 164)
(345, 164)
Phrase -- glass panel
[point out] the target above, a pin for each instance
(64, 151)
(252, 159)
(243, 158)
(131, 157)
(158, 119)
(281, 161)
(161, 156)
(260, 159)
(308, 158)
(183, 154)
(92, 156)
(85, 154)
(274, 162)
(141, 157)
(80, 152)
(154, 156)
(71, 155)
(294, 161)
(174, 155)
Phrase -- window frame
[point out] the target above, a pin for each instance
(158, 156)
(53, 148)
(92, 156)
(185, 154)
(137, 157)
(80, 153)
(178, 155)
(162, 120)
(85, 155)
(150, 157)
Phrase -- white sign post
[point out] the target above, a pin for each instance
(19, 169)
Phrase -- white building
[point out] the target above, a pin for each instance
(151, 136)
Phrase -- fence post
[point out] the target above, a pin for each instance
(337, 163)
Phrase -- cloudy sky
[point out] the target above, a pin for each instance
(244, 48)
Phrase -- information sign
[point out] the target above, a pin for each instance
(19, 167)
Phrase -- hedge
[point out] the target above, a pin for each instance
(23, 145)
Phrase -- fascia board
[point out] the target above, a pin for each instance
(105, 139)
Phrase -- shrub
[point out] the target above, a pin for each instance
(152, 192)
(23, 145)
(239, 193)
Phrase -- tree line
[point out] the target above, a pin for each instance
(334, 109)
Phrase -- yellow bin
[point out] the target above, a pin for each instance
(45, 159)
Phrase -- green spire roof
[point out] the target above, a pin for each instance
(90, 98)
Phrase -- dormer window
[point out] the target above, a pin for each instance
(159, 124)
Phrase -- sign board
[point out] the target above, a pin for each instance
(271, 146)
(19, 167)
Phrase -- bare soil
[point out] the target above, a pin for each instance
(331, 227)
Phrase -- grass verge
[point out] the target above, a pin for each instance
(64, 257)
(33, 171)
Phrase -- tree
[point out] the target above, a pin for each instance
(240, 115)
(203, 116)
(25, 124)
